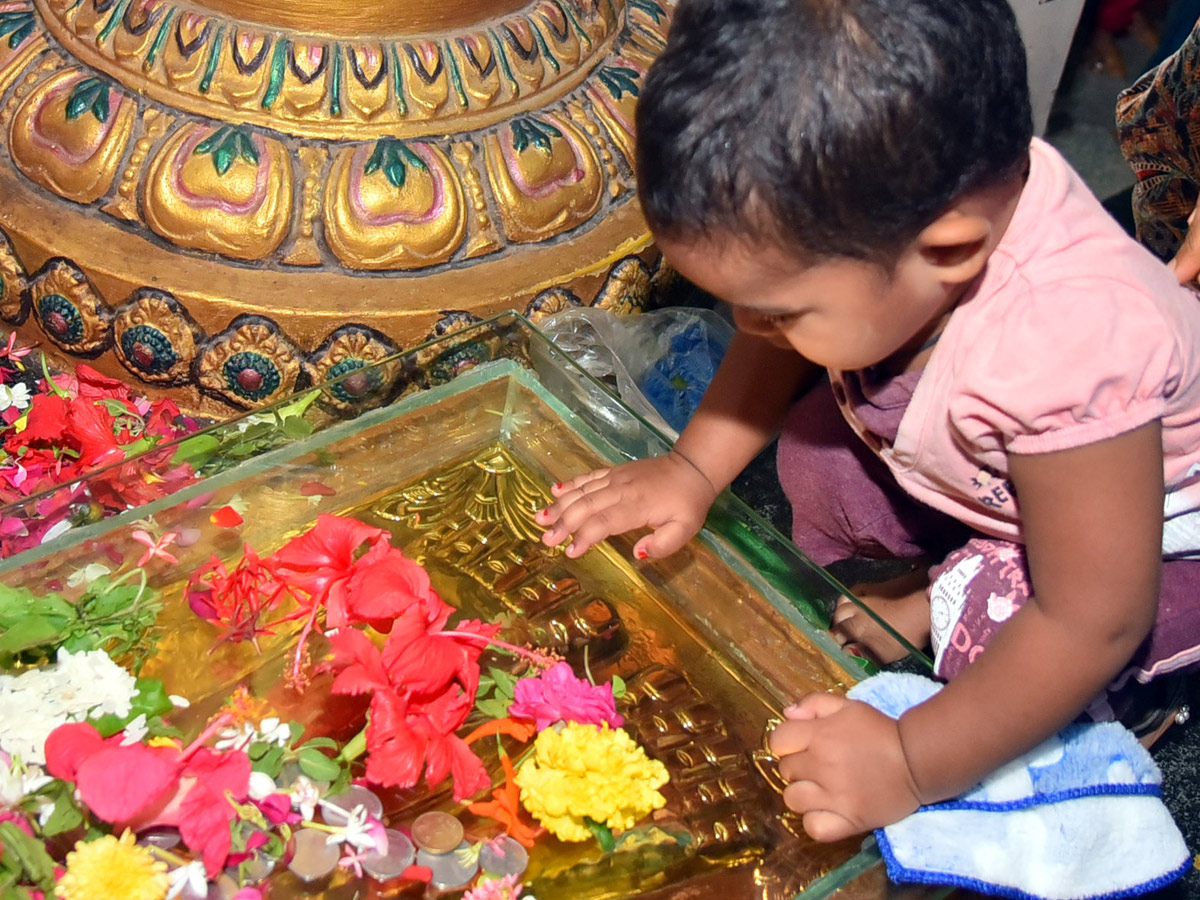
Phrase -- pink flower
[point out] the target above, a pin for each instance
(556, 695)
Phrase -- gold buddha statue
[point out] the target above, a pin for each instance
(229, 199)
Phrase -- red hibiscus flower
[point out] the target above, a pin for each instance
(321, 561)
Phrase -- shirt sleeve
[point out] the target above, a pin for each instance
(1074, 365)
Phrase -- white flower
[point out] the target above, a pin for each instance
(305, 797)
(356, 832)
(87, 574)
(13, 395)
(270, 730)
(273, 731)
(191, 879)
(17, 781)
(261, 785)
(135, 731)
(76, 687)
(179, 702)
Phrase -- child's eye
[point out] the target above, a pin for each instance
(775, 319)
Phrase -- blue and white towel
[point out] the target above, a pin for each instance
(1080, 817)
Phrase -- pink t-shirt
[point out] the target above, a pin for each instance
(1075, 333)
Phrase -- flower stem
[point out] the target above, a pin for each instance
(212, 728)
(355, 747)
(538, 659)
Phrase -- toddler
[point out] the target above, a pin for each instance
(859, 181)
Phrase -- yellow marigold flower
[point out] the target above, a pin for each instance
(113, 867)
(588, 771)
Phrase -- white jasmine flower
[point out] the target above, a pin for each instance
(190, 879)
(14, 395)
(261, 785)
(18, 781)
(87, 574)
(135, 731)
(76, 687)
(356, 832)
(235, 738)
(273, 731)
(179, 702)
(305, 797)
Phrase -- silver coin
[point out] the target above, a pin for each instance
(336, 810)
(399, 856)
(503, 856)
(313, 858)
(450, 870)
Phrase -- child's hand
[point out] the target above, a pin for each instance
(666, 493)
(845, 767)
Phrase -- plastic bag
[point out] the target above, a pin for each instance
(659, 363)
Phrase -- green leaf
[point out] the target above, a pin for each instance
(317, 766)
(271, 762)
(505, 681)
(492, 708)
(195, 450)
(89, 94)
(151, 698)
(258, 749)
(602, 833)
(65, 816)
(618, 687)
(30, 632)
(321, 743)
(30, 853)
(296, 427)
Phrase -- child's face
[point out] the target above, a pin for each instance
(842, 314)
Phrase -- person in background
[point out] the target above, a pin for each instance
(1158, 125)
(859, 181)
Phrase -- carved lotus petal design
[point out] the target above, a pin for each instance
(546, 177)
(224, 190)
(394, 205)
(70, 133)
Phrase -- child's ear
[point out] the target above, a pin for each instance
(956, 245)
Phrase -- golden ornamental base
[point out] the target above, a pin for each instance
(224, 201)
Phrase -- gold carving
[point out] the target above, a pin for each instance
(484, 239)
(13, 281)
(304, 250)
(69, 310)
(160, 337)
(154, 126)
(394, 206)
(545, 175)
(70, 134)
(274, 360)
(243, 211)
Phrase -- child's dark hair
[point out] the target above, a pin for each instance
(830, 128)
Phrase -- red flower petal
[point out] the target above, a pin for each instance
(122, 783)
(226, 517)
(68, 746)
(315, 489)
(47, 419)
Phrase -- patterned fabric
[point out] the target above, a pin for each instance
(1158, 124)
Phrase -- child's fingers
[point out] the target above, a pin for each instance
(826, 826)
(816, 705)
(578, 481)
(663, 541)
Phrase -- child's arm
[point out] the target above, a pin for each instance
(741, 411)
(1092, 520)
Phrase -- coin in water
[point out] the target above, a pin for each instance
(450, 870)
(503, 856)
(399, 857)
(335, 809)
(437, 832)
(313, 858)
